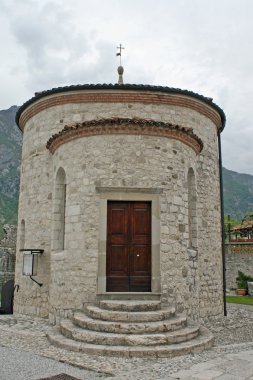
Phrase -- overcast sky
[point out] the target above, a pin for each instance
(205, 46)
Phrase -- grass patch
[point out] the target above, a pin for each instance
(243, 300)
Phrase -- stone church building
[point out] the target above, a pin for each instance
(120, 190)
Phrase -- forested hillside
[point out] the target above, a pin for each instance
(10, 153)
(238, 193)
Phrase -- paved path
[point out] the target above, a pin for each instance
(25, 354)
(20, 365)
(229, 367)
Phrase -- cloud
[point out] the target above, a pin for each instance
(201, 45)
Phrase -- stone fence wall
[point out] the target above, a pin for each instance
(239, 247)
(8, 254)
(241, 259)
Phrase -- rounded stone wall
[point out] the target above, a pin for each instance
(84, 146)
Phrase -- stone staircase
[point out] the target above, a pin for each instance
(130, 329)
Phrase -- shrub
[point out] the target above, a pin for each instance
(242, 280)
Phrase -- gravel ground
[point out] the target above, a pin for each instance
(236, 327)
(233, 334)
(21, 365)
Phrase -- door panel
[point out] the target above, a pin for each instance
(141, 220)
(140, 264)
(119, 260)
(118, 222)
(128, 256)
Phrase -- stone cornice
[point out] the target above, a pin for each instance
(127, 127)
(144, 94)
(143, 190)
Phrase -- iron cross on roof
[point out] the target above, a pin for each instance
(120, 47)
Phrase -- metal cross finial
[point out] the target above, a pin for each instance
(120, 47)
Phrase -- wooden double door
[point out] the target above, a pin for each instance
(128, 252)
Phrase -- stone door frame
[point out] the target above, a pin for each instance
(129, 194)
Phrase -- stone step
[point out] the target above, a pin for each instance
(124, 316)
(127, 305)
(201, 342)
(114, 339)
(129, 296)
(174, 323)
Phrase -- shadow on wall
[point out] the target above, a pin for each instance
(8, 254)
(7, 296)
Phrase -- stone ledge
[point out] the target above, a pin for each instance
(146, 190)
(132, 339)
(125, 126)
(124, 316)
(196, 345)
(131, 305)
(85, 322)
(111, 94)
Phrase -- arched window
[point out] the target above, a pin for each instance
(22, 235)
(192, 209)
(59, 207)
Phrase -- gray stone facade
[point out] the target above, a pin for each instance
(63, 198)
(8, 254)
(237, 262)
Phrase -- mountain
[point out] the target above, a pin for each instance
(238, 193)
(238, 188)
(10, 157)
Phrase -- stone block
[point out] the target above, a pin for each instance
(73, 210)
(250, 288)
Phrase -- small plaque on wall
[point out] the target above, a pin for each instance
(30, 264)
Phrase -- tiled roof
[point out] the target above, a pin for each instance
(125, 87)
(125, 126)
(244, 226)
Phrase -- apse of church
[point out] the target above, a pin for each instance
(120, 189)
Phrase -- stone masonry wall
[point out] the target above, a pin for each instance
(8, 254)
(235, 263)
(120, 161)
(191, 279)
